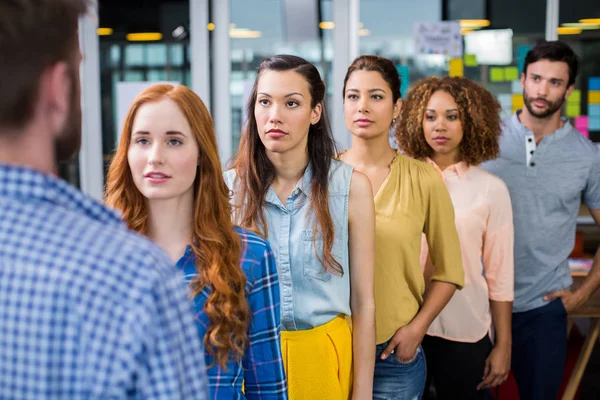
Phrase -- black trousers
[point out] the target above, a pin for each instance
(455, 368)
(539, 350)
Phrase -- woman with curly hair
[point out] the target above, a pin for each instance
(454, 125)
(410, 199)
(318, 214)
(166, 178)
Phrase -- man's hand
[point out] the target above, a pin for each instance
(404, 343)
(497, 367)
(571, 300)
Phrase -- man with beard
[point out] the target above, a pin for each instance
(549, 168)
(87, 308)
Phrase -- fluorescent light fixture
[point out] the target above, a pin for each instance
(104, 31)
(590, 21)
(582, 26)
(144, 36)
(568, 31)
(243, 33)
(474, 23)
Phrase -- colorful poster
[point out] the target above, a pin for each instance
(438, 38)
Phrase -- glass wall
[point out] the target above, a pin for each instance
(584, 107)
(127, 61)
(262, 28)
(386, 29)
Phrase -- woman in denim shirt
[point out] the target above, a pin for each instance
(166, 178)
(319, 217)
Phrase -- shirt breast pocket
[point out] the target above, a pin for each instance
(312, 267)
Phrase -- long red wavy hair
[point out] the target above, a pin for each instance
(216, 245)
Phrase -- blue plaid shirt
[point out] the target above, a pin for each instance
(87, 308)
(261, 367)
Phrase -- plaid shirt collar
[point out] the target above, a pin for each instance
(25, 183)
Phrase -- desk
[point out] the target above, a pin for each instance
(590, 309)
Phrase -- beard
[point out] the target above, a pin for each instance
(552, 106)
(68, 142)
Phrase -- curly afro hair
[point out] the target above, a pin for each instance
(479, 113)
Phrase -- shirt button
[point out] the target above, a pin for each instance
(531, 152)
(532, 164)
(530, 140)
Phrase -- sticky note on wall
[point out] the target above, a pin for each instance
(573, 110)
(594, 83)
(470, 60)
(511, 73)
(516, 87)
(455, 67)
(404, 78)
(594, 110)
(497, 74)
(582, 122)
(594, 96)
(517, 101)
(521, 54)
(575, 97)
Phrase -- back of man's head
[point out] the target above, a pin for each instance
(34, 36)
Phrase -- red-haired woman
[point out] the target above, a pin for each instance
(166, 178)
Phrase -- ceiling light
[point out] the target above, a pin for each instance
(104, 31)
(364, 32)
(243, 33)
(326, 25)
(579, 25)
(568, 31)
(144, 37)
(590, 21)
(474, 23)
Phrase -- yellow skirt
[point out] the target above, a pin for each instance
(318, 361)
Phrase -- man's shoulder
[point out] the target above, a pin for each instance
(101, 250)
(578, 143)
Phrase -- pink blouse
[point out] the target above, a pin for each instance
(484, 221)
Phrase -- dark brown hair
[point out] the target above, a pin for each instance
(256, 172)
(556, 51)
(34, 34)
(216, 245)
(385, 67)
(479, 113)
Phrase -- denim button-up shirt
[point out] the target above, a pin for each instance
(310, 295)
